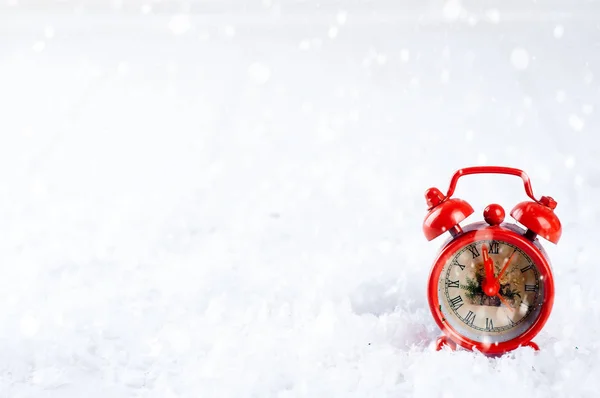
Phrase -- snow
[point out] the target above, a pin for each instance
(452, 9)
(519, 57)
(559, 31)
(576, 122)
(219, 199)
(493, 15)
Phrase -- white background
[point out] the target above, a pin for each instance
(225, 198)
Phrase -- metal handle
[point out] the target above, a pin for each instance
(491, 170)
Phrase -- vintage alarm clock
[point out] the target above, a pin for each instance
(491, 287)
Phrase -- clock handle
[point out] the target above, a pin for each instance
(492, 170)
(445, 213)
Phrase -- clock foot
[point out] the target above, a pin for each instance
(532, 345)
(444, 341)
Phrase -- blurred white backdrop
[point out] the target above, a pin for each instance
(225, 198)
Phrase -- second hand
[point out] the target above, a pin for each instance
(505, 302)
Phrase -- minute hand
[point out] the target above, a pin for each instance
(505, 266)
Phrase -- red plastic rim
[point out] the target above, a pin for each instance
(495, 233)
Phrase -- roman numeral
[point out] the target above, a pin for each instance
(456, 303)
(531, 288)
(470, 318)
(511, 322)
(489, 325)
(450, 283)
(494, 247)
(523, 270)
(474, 251)
(456, 263)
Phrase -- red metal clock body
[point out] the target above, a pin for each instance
(491, 287)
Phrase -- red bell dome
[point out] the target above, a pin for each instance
(539, 217)
(444, 216)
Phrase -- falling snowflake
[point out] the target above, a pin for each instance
(259, 73)
(559, 30)
(493, 15)
(576, 122)
(180, 24)
(519, 58)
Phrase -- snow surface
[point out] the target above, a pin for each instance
(205, 199)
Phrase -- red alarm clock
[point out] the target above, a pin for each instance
(491, 287)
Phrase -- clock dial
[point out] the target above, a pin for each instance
(497, 318)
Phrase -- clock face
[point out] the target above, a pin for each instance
(502, 316)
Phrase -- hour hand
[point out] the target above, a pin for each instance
(490, 283)
(486, 255)
(488, 264)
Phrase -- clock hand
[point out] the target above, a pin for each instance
(486, 255)
(490, 284)
(506, 264)
(505, 302)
